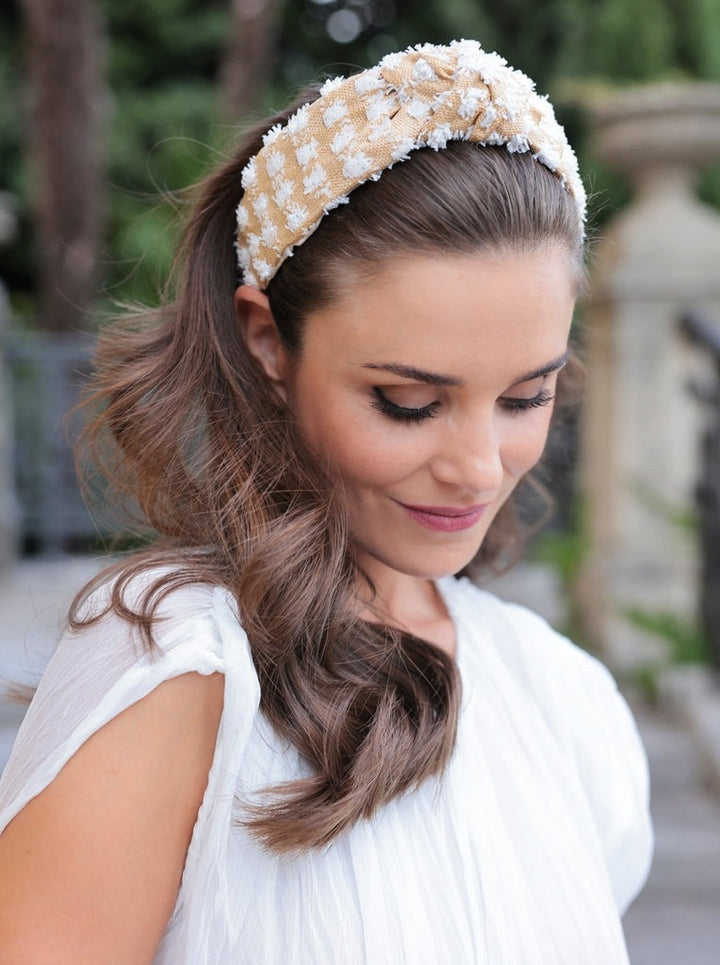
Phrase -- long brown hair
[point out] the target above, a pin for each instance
(190, 431)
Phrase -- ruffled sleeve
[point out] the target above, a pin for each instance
(591, 720)
(104, 668)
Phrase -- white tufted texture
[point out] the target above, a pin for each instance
(362, 125)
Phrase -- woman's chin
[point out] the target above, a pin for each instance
(425, 566)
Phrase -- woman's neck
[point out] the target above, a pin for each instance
(411, 603)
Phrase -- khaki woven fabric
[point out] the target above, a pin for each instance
(361, 125)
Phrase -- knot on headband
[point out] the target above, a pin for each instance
(425, 96)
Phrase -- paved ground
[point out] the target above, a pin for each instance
(34, 597)
(676, 918)
(675, 921)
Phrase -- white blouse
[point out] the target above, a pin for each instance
(525, 852)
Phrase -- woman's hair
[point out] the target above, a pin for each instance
(192, 433)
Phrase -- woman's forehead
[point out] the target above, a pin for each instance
(420, 309)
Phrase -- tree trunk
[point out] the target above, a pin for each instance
(246, 61)
(65, 51)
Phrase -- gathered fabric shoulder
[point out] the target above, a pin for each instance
(104, 667)
(590, 719)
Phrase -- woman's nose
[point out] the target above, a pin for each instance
(469, 457)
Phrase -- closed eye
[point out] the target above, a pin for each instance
(402, 413)
(515, 406)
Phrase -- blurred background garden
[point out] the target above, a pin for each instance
(117, 106)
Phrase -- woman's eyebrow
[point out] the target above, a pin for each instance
(434, 378)
(544, 369)
(410, 372)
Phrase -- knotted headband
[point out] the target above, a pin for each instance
(361, 125)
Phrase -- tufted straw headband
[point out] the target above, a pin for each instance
(361, 125)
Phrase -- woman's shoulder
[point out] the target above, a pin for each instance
(155, 613)
(136, 629)
(105, 665)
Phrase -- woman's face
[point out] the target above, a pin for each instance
(428, 391)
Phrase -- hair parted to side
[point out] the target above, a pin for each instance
(192, 432)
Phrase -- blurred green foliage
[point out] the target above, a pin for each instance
(686, 642)
(164, 128)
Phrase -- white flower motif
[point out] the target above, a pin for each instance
(342, 139)
(548, 158)
(368, 81)
(298, 122)
(242, 216)
(335, 203)
(470, 102)
(545, 110)
(494, 139)
(274, 163)
(263, 269)
(357, 166)
(404, 93)
(306, 152)
(253, 243)
(391, 61)
(250, 278)
(505, 111)
(423, 71)
(493, 68)
(471, 57)
(331, 84)
(516, 105)
(260, 205)
(402, 149)
(379, 106)
(272, 135)
(418, 109)
(283, 192)
(381, 131)
(243, 256)
(518, 144)
(297, 215)
(438, 138)
(316, 180)
(248, 178)
(334, 113)
(488, 118)
(269, 234)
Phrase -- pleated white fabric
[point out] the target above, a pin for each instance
(526, 852)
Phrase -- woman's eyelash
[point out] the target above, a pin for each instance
(522, 405)
(401, 413)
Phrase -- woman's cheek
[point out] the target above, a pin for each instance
(381, 457)
(524, 444)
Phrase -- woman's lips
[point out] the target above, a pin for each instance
(445, 519)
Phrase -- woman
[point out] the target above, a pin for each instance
(286, 733)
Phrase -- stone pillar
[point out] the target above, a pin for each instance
(8, 502)
(640, 458)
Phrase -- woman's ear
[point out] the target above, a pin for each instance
(252, 308)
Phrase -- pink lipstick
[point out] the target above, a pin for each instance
(445, 519)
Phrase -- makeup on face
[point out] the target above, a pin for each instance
(428, 392)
